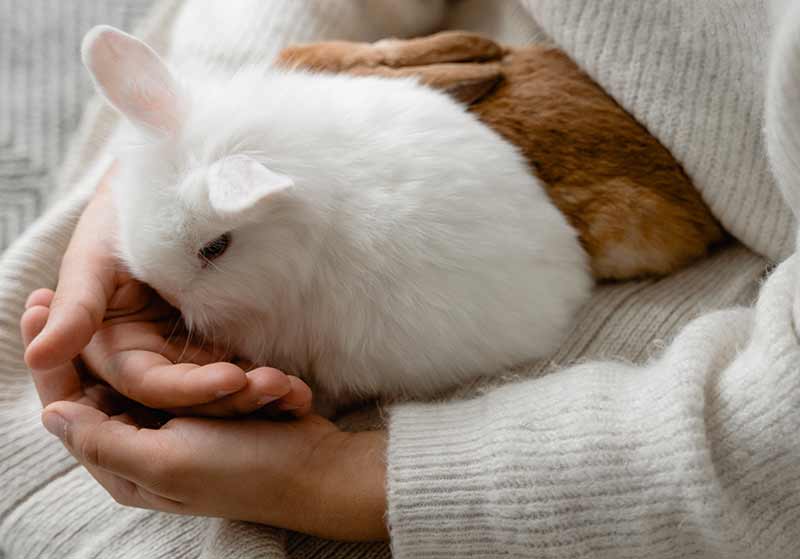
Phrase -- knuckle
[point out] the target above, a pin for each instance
(103, 338)
(89, 450)
(96, 446)
(101, 345)
(90, 314)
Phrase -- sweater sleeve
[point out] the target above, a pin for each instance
(693, 454)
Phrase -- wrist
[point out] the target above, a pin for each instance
(350, 490)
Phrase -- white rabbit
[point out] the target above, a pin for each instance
(366, 234)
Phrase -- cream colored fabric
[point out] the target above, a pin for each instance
(688, 455)
(693, 73)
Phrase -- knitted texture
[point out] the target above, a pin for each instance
(678, 452)
(43, 88)
(783, 108)
(693, 74)
(692, 455)
(783, 105)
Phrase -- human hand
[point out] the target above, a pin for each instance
(89, 276)
(127, 336)
(465, 65)
(144, 356)
(305, 474)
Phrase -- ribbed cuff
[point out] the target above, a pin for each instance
(536, 468)
(439, 480)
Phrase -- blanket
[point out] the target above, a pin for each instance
(663, 427)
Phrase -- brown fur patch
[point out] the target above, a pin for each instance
(635, 209)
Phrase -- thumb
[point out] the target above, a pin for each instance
(87, 280)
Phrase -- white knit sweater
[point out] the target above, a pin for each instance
(686, 448)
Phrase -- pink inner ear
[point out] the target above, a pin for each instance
(238, 185)
(134, 79)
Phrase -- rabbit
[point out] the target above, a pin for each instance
(635, 209)
(367, 234)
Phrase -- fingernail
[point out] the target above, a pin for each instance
(286, 406)
(37, 336)
(264, 400)
(55, 424)
(223, 393)
(42, 333)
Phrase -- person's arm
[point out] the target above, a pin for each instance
(694, 455)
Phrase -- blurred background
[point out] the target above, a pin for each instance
(43, 89)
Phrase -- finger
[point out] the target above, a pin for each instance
(104, 398)
(131, 296)
(97, 441)
(63, 382)
(466, 83)
(39, 298)
(136, 301)
(117, 453)
(124, 491)
(130, 494)
(264, 386)
(447, 46)
(58, 383)
(298, 399)
(137, 361)
(32, 321)
(155, 337)
(77, 312)
(86, 282)
(150, 379)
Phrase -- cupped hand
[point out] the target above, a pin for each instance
(128, 340)
(145, 356)
(88, 280)
(303, 474)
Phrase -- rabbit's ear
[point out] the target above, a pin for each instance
(470, 91)
(133, 79)
(239, 185)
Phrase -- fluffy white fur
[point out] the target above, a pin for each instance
(409, 250)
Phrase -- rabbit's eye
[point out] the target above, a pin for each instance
(214, 249)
